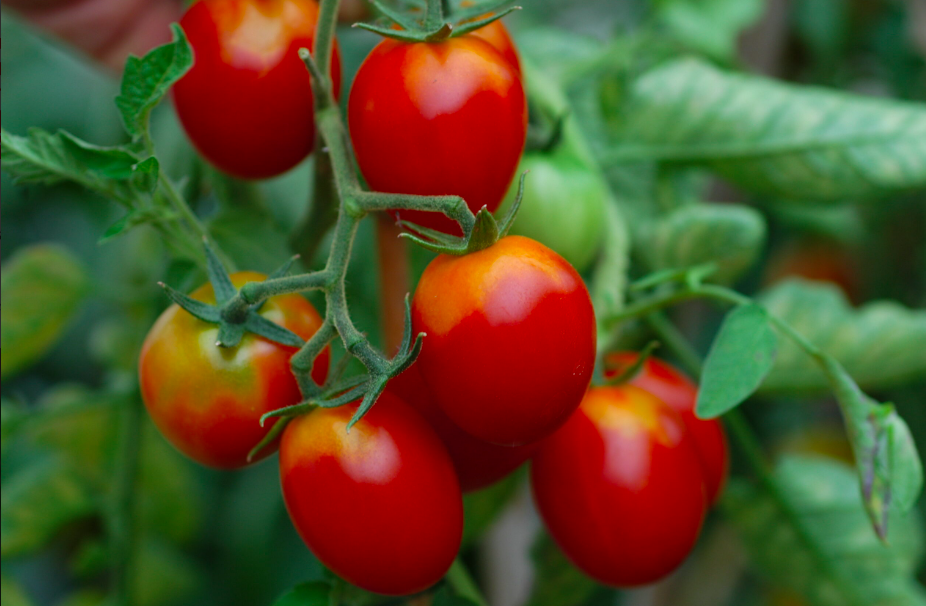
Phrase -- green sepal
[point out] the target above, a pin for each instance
(272, 331)
(218, 276)
(396, 34)
(477, 10)
(198, 309)
(512, 214)
(282, 270)
(395, 16)
(485, 232)
(230, 334)
(374, 390)
(471, 26)
(270, 438)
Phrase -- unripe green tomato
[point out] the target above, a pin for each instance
(563, 206)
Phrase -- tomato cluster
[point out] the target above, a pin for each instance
(622, 475)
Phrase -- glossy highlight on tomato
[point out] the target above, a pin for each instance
(511, 339)
(620, 488)
(478, 464)
(246, 103)
(380, 506)
(678, 391)
(207, 400)
(442, 118)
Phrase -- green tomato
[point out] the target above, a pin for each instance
(563, 206)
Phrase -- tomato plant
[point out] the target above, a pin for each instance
(246, 103)
(510, 354)
(379, 505)
(478, 464)
(620, 488)
(207, 401)
(425, 117)
(680, 393)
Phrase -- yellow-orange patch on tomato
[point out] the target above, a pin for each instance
(631, 411)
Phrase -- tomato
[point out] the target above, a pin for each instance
(620, 488)
(478, 464)
(680, 393)
(511, 339)
(563, 205)
(817, 261)
(497, 35)
(246, 104)
(380, 506)
(438, 118)
(207, 401)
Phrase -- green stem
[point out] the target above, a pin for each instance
(324, 37)
(459, 578)
(435, 15)
(189, 217)
(121, 532)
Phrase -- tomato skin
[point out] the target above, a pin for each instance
(208, 401)
(511, 339)
(678, 391)
(478, 464)
(497, 35)
(620, 488)
(438, 118)
(246, 103)
(380, 506)
(563, 205)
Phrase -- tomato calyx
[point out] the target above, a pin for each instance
(485, 230)
(435, 26)
(233, 326)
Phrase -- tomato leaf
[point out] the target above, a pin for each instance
(888, 464)
(740, 357)
(315, 593)
(48, 159)
(38, 502)
(803, 143)
(815, 541)
(729, 235)
(709, 26)
(445, 597)
(13, 593)
(482, 507)
(42, 288)
(880, 344)
(146, 80)
(162, 574)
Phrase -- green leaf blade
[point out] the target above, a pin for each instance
(740, 357)
(146, 80)
(315, 593)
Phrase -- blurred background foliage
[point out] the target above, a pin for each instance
(75, 310)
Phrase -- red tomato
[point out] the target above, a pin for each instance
(675, 389)
(478, 464)
(497, 35)
(817, 261)
(511, 339)
(380, 506)
(438, 118)
(619, 487)
(246, 104)
(208, 401)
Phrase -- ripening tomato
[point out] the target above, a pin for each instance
(478, 464)
(246, 103)
(380, 506)
(497, 35)
(680, 393)
(207, 400)
(620, 488)
(563, 205)
(511, 339)
(441, 118)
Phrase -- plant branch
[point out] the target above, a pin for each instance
(459, 578)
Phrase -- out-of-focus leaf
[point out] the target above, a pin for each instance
(709, 26)
(39, 501)
(741, 355)
(827, 553)
(316, 593)
(729, 235)
(445, 597)
(889, 466)
(609, 278)
(251, 238)
(162, 574)
(768, 137)
(11, 593)
(85, 597)
(42, 287)
(879, 344)
(11, 418)
(558, 582)
(146, 80)
(483, 506)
